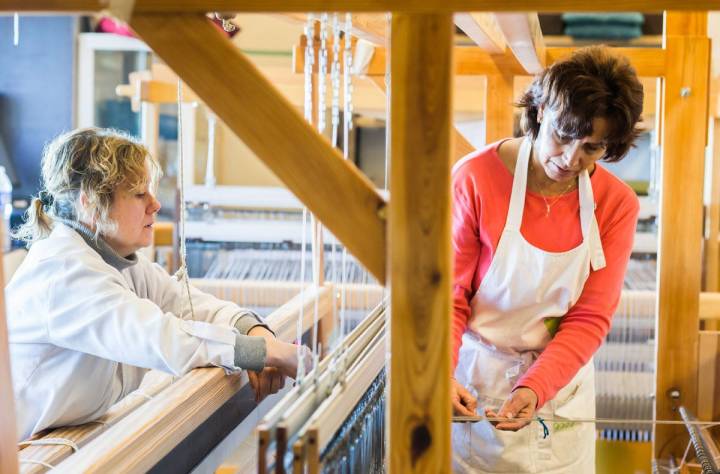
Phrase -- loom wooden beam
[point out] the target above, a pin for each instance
(483, 29)
(144, 437)
(408, 6)
(368, 26)
(276, 132)
(419, 234)
(413, 6)
(522, 31)
(473, 61)
(648, 62)
(708, 376)
(81, 435)
(8, 433)
(499, 112)
(684, 131)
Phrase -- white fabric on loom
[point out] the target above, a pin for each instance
(83, 334)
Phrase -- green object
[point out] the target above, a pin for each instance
(552, 324)
(604, 31)
(630, 19)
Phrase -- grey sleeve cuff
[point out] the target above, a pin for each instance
(250, 352)
(249, 320)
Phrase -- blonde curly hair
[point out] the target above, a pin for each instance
(91, 161)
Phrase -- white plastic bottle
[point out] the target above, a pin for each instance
(6, 207)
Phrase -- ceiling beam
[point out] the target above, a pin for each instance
(368, 26)
(410, 6)
(522, 31)
(472, 61)
(483, 29)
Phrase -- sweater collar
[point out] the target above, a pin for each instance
(108, 254)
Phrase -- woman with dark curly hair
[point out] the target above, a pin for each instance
(542, 235)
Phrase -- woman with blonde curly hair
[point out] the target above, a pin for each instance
(88, 315)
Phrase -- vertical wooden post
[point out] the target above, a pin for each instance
(685, 119)
(419, 243)
(8, 432)
(499, 108)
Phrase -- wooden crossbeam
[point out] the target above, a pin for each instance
(648, 62)
(522, 32)
(483, 29)
(473, 61)
(153, 383)
(408, 6)
(333, 189)
(419, 237)
(684, 132)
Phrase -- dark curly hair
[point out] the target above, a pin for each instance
(591, 83)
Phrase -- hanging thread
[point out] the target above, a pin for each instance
(182, 274)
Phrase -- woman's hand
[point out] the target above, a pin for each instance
(519, 410)
(281, 355)
(463, 402)
(266, 382)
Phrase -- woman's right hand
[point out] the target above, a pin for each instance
(463, 403)
(284, 356)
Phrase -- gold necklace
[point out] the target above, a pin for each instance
(550, 204)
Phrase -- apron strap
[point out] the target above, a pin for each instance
(588, 222)
(517, 197)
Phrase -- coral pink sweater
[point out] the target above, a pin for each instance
(481, 187)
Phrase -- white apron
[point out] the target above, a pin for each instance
(520, 300)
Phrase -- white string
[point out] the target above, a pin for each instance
(301, 363)
(181, 274)
(50, 442)
(35, 461)
(16, 29)
(677, 469)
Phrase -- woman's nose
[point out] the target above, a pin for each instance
(572, 154)
(154, 204)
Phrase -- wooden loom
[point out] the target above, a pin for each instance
(419, 259)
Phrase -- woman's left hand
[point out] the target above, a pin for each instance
(519, 410)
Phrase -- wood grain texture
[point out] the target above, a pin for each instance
(687, 23)
(144, 437)
(500, 111)
(333, 189)
(8, 432)
(419, 251)
(709, 376)
(409, 6)
(473, 61)
(81, 435)
(679, 253)
(483, 29)
(522, 31)
(648, 62)
(712, 214)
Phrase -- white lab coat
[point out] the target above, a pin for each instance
(83, 334)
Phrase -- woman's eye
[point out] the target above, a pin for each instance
(140, 195)
(561, 139)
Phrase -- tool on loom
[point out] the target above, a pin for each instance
(476, 419)
(705, 449)
(285, 419)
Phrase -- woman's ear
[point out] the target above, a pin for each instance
(541, 110)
